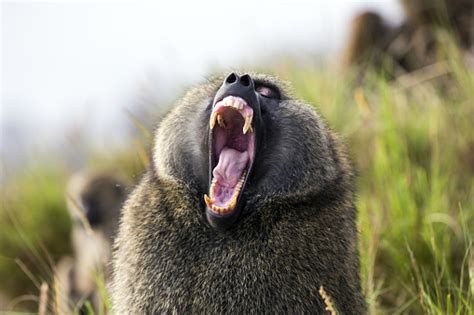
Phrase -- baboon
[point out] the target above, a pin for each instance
(367, 40)
(94, 203)
(248, 207)
(413, 44)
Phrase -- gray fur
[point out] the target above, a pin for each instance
(297, 231)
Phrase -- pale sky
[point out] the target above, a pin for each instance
(83, 62)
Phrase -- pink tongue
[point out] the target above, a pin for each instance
(230, 167)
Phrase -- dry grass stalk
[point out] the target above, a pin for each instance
(327, 300)
(43, 300)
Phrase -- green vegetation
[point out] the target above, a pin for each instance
(413, 148)
(414, 153)
(34, 230)
(35, 224)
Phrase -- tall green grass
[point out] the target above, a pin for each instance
(34, 231)
(414, 154)
(413, 148)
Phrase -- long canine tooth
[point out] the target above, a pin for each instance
(221, 121)
(247, 124)
(208, 201)
(212, 120)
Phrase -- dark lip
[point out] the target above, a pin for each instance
(226, 220)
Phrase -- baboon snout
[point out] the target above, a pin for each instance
(241, 86)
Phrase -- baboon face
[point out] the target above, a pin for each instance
(101, 200)
(245, 141)
(235, 135)
(95, 200)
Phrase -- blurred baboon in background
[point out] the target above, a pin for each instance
(94, 204)
(412, 45)
(368, 40)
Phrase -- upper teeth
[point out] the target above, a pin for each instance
(233, 101)
(237, 103)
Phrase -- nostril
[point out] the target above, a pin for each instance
(231, 78)
(245, 80)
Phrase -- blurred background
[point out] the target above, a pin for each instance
(84, 65)
(83, 85)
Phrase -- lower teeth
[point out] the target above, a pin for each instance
(233, 200)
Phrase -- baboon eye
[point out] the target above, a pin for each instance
(267, 91)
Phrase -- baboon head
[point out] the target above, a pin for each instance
(241, 141)
(95, 200)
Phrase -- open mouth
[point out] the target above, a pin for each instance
(232, 154)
